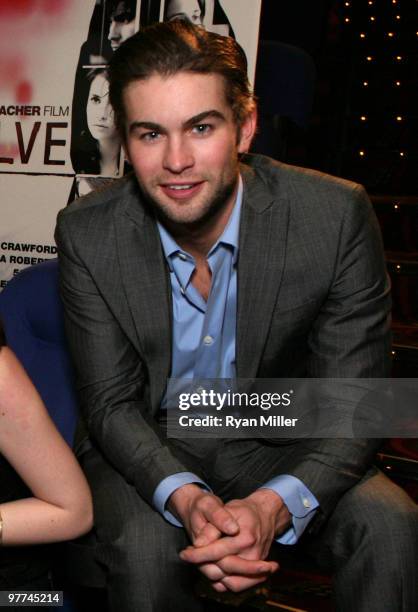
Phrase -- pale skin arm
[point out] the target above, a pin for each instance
(231, 554)
(61, 506)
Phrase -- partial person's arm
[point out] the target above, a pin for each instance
(61, 506)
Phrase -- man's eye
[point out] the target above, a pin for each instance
(202, 128)
(149, 136)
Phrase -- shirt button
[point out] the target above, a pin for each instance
(208, 340)
(182, 256)
(306, 502)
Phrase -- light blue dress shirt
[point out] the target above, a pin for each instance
(204, 347)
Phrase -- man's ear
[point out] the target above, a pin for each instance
(247, 131)
(126, 152)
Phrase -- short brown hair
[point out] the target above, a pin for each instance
(178, 46)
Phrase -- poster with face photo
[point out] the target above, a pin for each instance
(95, 143)
(237, 18)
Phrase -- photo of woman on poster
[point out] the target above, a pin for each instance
(95, 146)
(95, 141)
(187, 10)
(208, 13)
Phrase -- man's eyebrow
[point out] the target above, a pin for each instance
(146, 125)
(202, 116)
(156, 127)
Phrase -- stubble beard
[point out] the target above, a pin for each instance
(205, 212)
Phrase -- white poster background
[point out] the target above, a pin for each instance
(39, 48)
(244, 16)
(29, 207)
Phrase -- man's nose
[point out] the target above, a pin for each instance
(113, 30)
(178, 155)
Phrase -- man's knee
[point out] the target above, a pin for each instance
(379, 513)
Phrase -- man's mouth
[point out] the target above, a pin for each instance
(180, 187)
(180, 191)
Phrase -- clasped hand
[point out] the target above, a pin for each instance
(230, 542)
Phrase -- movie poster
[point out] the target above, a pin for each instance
(58, 139)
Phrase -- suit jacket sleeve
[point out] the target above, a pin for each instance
(111, 376)
(349, 338)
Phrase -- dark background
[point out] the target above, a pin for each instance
(355, 63)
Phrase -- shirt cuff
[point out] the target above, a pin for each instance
(300, 502)
(167, 488)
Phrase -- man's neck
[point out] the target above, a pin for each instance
(198, 239)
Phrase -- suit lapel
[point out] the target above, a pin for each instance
(263, 234)
(144, 273)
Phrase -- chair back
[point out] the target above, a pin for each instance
(32, 315)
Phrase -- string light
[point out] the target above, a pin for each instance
(398, 267)
(391, 33)
(395, 206)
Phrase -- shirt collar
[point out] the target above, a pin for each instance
(229, 236)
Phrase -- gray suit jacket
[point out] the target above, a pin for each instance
(313, 300)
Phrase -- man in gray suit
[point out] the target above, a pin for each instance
(208, 264)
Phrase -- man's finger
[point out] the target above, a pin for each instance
(197, 524)
(216, 514)
(216, 550)
(236, 584)
(235, 565)
(212, 571)
(209, 533)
